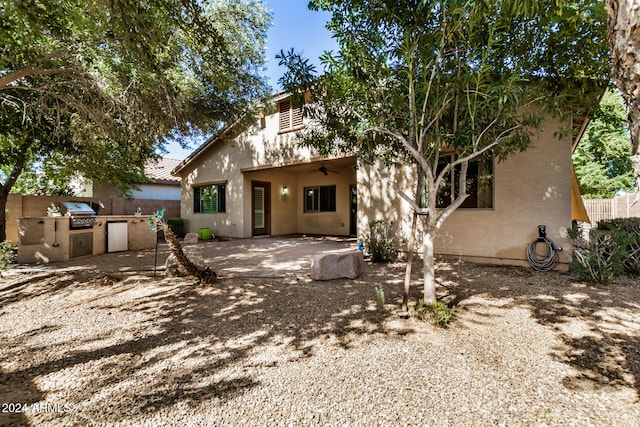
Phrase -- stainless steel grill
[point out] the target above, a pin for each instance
(80, 214)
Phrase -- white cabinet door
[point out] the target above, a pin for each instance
(117, 236)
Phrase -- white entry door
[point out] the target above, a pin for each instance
(261, 208)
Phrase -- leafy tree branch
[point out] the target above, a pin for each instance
(97, 87)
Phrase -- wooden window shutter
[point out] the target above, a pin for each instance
(296, 116)
(285, 114)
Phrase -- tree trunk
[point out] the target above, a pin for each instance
(407, 273)
(412, 239)
(7, 185)
(205, 275)
(4, 196)
(624, 43)
(429, 266)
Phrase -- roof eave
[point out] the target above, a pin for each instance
(219, 135)
(204, 147)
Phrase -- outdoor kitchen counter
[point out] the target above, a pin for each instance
(50, 239)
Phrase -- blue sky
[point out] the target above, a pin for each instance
(292, 25)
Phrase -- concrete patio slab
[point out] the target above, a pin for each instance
(258, 257)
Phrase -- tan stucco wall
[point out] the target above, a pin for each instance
(378, 201)
(530, 188)
(221, 164)
(226, 160)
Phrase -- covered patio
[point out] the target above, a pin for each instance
(317, 196)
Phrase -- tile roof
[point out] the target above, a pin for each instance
(159, 169)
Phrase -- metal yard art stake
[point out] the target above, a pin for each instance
(153, 225)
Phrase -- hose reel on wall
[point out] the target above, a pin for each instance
(543, 261)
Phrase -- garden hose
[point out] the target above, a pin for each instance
(542, 261)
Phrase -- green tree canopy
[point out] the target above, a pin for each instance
(602, 160)
(97, 86)
(415, 78)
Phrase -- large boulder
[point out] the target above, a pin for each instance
(190, 238)
(337, 265)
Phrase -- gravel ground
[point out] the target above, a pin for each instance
(84, 348)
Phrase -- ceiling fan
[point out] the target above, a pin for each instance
(326, 171)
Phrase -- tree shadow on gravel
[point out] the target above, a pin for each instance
(33, 286)
(598, 324)
(180, 342)
(30, 286)
(155, 344)
(16, 398)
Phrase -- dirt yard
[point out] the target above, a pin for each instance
(88, 348)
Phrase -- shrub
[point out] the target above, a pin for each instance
(177, 226)
(379, 244)
(627, 235)
(436, 313)
(629, 225)
(601, 258)
(7, 255)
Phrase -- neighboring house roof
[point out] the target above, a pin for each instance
(159, 170)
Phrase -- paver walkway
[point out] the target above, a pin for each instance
(259, 257)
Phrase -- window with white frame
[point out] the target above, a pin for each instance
(320, 199)
(210, 198)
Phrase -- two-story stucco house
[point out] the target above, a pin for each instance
(255, 181)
